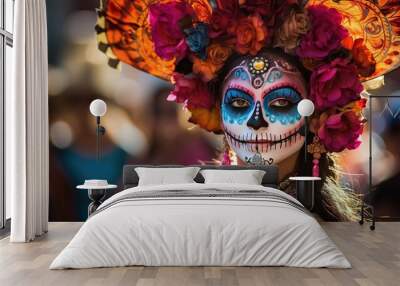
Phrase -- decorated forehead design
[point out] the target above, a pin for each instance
(258, 65)
(261, 69)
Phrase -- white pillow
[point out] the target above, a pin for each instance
(248, 177)
(163, 176)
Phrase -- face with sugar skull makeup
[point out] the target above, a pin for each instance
(259, 108)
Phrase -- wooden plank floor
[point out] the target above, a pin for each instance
(375, 257)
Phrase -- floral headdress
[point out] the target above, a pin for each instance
(187, 42)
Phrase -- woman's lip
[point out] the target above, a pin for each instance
(264, 139)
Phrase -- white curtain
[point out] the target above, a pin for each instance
(27, 159)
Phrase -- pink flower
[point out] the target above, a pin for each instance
(335, 84)
(341, 131)
(166, 31)
(325, 35)
(191, 91)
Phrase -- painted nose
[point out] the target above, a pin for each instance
(256, 120)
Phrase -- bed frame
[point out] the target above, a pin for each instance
(130, 177)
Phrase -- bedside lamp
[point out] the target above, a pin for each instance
(98, 108)
(305, 108)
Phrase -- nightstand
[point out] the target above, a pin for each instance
(305, 190)
(96, 191)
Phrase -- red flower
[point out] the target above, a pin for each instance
(325, 35)
(340, 131)
(228, 5)
(262, 7)
(191, 91)
(271, 10)
(224, 17)
(335, 84)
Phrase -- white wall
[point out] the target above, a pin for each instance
(9, 62)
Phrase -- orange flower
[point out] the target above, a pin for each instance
(356, 106)
(208, 119)
(363, 58)
(217, 55)
(205, 69)
(251, 35)
(203, 10)
(347, 43)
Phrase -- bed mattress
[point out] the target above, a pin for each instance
(201, 225)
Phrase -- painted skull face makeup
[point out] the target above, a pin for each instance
(259, 109)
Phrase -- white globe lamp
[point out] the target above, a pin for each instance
(98, 108)
(305, 108)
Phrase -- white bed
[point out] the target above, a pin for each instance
(223, 225)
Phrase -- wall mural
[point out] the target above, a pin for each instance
(223, 83)
(241, 68)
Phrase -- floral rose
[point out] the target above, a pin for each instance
(203, 11)
(335, 84)
(363, 58)
(325, 34)
(194, 94)
(262, 7)
(251, 35)
(340, 131)
(166, 31)
(223, 18)
(197, 39)
(191, 91)
(208, 119)
(217, 54)
(287, 36)
(270, 9)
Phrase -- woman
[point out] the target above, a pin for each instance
(261, 124)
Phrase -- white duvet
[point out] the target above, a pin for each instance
(188, 231)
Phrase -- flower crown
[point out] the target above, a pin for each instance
(189, 42)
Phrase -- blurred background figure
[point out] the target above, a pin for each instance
(385, 191)
(171, 144)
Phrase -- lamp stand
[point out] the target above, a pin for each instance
(305, 139)
(100, 130)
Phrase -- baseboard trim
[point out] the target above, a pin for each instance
(5, 231)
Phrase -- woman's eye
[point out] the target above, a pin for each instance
(280, 103)
(240, 103)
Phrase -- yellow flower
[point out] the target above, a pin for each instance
(208, 119)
